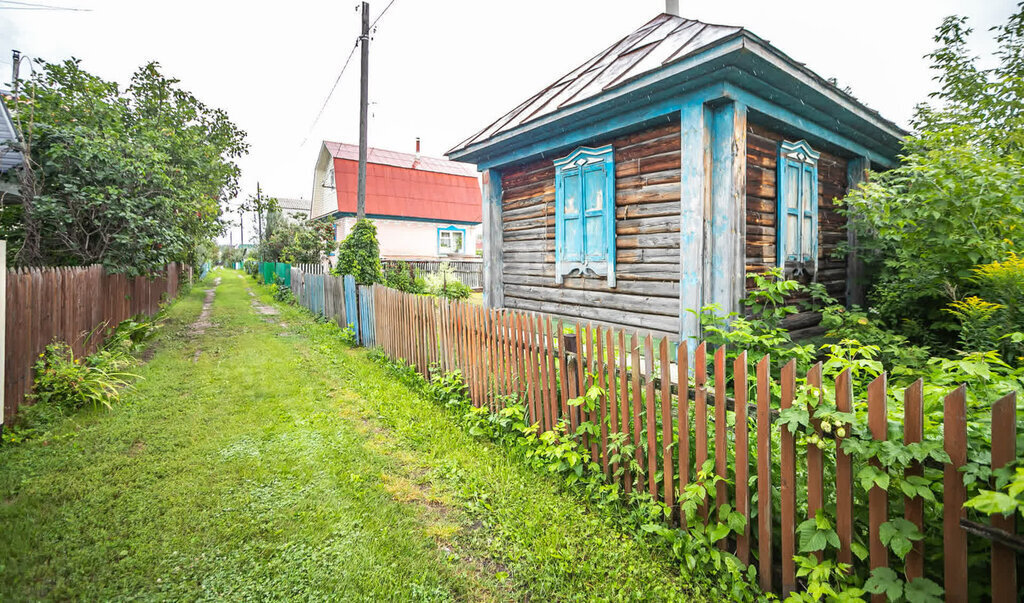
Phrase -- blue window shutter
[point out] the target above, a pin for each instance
(593, 188)
(797, 209)
(585, 213)
(572, 193)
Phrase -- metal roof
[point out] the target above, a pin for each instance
(340, 150)
(295, 205)
(665, 40)
(8, 158)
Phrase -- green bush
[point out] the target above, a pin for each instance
(955, 200)
(400, 276)
(69, 383)
(444, 283)
(359, 254)
(454, 290)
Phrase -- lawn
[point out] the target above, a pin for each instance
(265, 459)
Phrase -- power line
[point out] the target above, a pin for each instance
(338, 79)
(36, 6)
(331, 93)
(374, 24)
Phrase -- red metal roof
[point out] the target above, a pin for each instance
(406, 186)
(341, 150)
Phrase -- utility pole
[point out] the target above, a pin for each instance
(241, 224)
(259, 219)
(16, 60)
(364, 93)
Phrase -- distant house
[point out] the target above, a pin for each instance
(423, 207)
(295, 210)
(648, 181)
(10, 159)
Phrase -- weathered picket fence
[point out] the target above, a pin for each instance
(651, 401)
(67, 304)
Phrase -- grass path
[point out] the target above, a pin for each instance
(263, 459)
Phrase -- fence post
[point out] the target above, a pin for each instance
(570, 365)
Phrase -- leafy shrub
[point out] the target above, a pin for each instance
(444, 283)
(281, 292)
(954, 201)
(130, 177)
(867, 328)
(69, 383)
(359, 254)
(454, 290)
(978, 328)
(133, 334)
(400, 276)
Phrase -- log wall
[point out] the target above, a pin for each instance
(762, 160)
(646, 296)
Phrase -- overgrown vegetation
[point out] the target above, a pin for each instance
(131, 178)
(956, 201)
(64, 383)
(858, 342)
(295, 242)
(442, 283)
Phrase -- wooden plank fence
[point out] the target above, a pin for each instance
(67, 304)
(546, 363)
(469, 272)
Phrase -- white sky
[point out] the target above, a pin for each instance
(444, 69)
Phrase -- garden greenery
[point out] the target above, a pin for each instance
(956, 200)
(130, 178)
(65, 383)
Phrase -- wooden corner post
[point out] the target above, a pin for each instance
(494, 288)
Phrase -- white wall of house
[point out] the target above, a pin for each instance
(325, 197)
(416, 239)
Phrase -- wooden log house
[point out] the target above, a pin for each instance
(649, 180)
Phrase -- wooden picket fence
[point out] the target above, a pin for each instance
(67, 304)
(651, 400)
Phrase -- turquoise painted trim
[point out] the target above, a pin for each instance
(594, 256)
(806, 126)
(802, 157)
(493, 240)
(691, 221)
(450, 229)
(619, 120)
(728, 206)
(350, 214)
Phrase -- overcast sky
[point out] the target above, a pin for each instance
(444, 69)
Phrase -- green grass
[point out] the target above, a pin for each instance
(264, 459)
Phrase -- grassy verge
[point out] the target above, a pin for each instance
(265, 459)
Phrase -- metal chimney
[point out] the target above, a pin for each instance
(672, 7)
(417, 145)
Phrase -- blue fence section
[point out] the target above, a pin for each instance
(338, 298)
(351, 304)
(367, 326)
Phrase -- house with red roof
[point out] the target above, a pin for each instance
(424, 208)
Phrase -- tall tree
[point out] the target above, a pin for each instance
(129, 178)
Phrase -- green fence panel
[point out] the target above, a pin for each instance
(284, 272)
